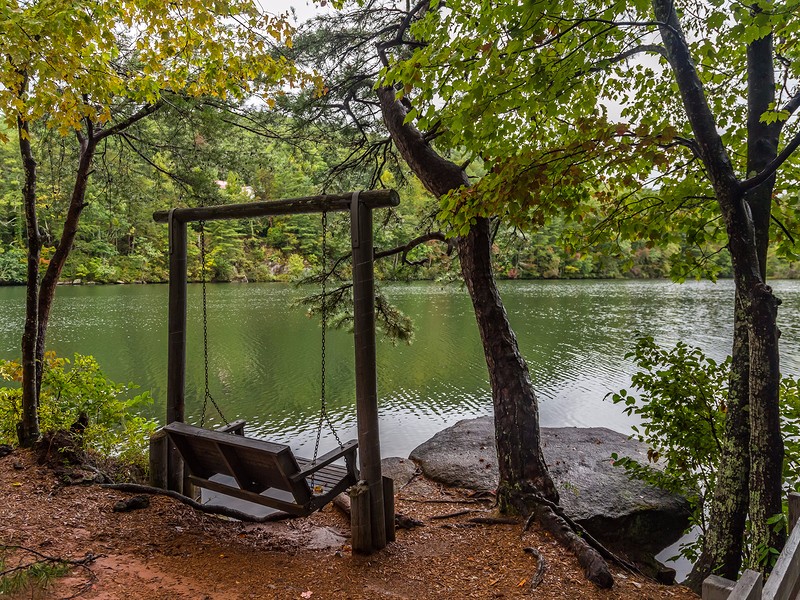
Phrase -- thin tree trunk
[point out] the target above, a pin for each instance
(28, 428)
(722, 547)
(58, 260)
(766, 442)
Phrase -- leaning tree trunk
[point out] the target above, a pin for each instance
(28, 427)
(516, 412)
(58, 260)
(525, 483)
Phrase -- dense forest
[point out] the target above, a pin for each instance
(214, 157)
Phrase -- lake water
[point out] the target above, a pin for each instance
(265, 352)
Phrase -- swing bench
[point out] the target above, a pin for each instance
(267, 473)
(263, 472)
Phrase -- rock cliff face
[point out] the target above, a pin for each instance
(627, 514)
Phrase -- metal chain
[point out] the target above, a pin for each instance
(323, 413)
(207, 395)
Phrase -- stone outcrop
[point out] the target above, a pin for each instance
(619, 511)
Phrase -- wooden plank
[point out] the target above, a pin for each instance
(159, 444)
(717, 588)
(262, 499)
(326, 459)
(388, 507)
(234, 427)
(786, 572)
(749, 587)
(291, 206)
(794, 509)
(225, 438)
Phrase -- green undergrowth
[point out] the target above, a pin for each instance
(76, 389)
(680, 400)
(29, 578)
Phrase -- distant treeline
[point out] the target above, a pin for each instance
(214, 162)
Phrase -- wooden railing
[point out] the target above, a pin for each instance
(783, 583)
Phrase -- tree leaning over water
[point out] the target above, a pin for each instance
(94, 70)
(351, 48)
(706, 93)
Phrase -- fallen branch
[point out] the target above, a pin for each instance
(214, 509)
(401, 521)
(494, 520)
(541, 565)
(452, 515)
(440, 501)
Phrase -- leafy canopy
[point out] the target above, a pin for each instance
(573, 110)
(66, 61)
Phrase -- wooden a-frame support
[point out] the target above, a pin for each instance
(369, 521)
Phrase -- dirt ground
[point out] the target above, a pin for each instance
(169, 550)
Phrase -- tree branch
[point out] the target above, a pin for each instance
(432, 236)
(120, 126)
(774, 165)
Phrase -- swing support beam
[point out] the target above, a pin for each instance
(360, 205)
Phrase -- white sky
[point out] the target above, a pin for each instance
(305, 9)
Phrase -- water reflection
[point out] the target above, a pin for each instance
(265, 353)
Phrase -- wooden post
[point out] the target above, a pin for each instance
(369, 447)
(794, 509)
(360, 530)
(158, 459)
(176, 335)
(388, 507)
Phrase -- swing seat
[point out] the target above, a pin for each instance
(262, 472)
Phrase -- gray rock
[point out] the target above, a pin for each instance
(402, 470)
(594, 492)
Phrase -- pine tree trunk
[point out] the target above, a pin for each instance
(516, 411)
(522, 466)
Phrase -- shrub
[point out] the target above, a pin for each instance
(70, 388)
(682, 410)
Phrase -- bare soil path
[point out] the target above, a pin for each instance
(170, 551)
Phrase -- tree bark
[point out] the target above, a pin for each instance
(722, 546)
(47, 289)
(516, 411)
(28, 428)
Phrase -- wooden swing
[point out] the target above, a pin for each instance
(225, 461)
(264, 472)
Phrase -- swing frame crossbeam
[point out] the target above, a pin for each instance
(360, 205)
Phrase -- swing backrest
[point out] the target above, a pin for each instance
(256, 465)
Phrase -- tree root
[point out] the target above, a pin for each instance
(214, 509)
(541, 565)
(590, 539)
(594, 566)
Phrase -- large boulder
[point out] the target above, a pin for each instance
(595, 493)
